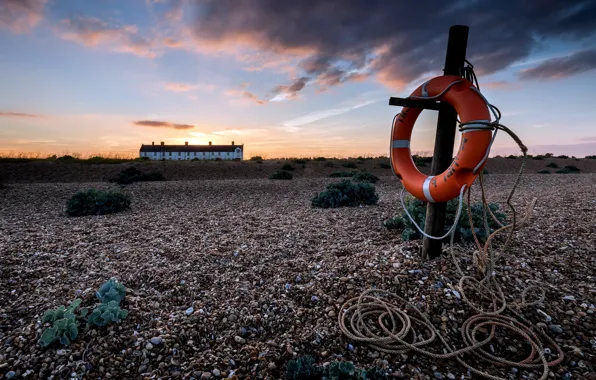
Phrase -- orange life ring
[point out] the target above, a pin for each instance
(473, 149)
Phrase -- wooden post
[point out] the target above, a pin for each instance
(444, 140)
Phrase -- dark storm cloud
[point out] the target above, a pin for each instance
(395, 40)
(162, 124)
(561, 67)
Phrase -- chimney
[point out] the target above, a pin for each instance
(162, 143)
(232, 143)
(209, 142)
(186, 143)
(152, 142)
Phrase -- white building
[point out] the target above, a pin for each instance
(189, 152)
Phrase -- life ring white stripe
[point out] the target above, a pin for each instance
(426, 189)
(400, 144)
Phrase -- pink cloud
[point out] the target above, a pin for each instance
(185, 87)
(91, 31)
(246, 96)
(18, 114)
(21, 16)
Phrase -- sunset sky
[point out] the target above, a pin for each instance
(286, 78)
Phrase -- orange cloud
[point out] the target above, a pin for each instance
(21, 16)
(162, 124)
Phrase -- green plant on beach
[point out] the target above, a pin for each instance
(97, 202)
(346, 194)
(111, 290)
(105, 313)
(463, 230)
(281, 174)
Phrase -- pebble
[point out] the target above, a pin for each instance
(156, 340)
(232, 318)
(581, 314)
(332, 314)
(205, 375)
(216, 372)
(541, 325)
(239, 339)
(569, 312)
(142, 368)
(272, 365)
(556, 329)
(10, 375)
(438, 375)
(149, 346)
(189, 311)
(450, 376)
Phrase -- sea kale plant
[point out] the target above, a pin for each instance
(64, 322)
(304, 368)
(104, 313)
(111, 290)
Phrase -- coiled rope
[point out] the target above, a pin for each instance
(391, 324)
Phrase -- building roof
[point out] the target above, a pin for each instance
(190, 148)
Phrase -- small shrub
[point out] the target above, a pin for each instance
(66, 158)
(349, 165)
(544, 171)
(562, 156)
(346, 194)
(281, 174)
(463, 231)
(287, 167)
(343, 174)
(511, 157)
(422, 160)
(97, 202)
(485, 171)
(259, 161)
(256, 158)
(105, 313)
(552, 165)
(395, 223)
(365, 177)
(320, 159)
(383, 165)
(217, 158)
(592, 157)
(132, 174)
(111, 290)
(538, 157)
(549, 155)
(329, 164)
(568, 169)
(236, 159)
(300, 161)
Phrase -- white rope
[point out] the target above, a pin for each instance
(455, 222)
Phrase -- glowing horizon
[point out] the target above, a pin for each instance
(105, 79)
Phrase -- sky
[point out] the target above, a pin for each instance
(285, 78)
